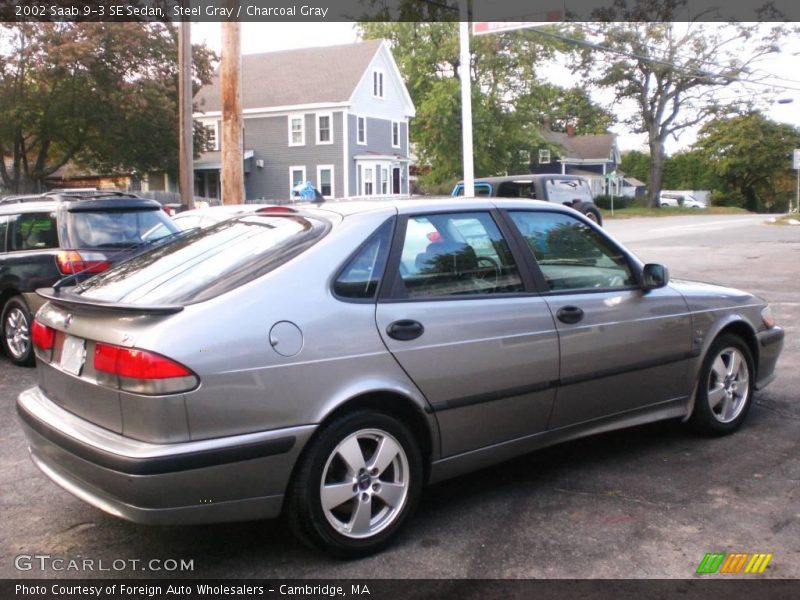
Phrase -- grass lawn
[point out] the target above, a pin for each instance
(671, 211)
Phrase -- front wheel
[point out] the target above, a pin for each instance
(16, 323)
(357, 483)
(725, 387)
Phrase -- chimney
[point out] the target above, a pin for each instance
(571, 130)
(546, 122)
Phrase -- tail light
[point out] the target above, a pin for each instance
(141, 371)
(43, 338)
(72, 261)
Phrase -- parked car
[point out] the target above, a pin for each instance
(374, 347)
(570, 190)
(48, 236)
(676, 199)
(211, 215)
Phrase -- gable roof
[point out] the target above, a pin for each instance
(584, 147)
(305, 76)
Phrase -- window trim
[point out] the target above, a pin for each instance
(372, 179)
(292, 169)
(302, 118)
(379, 82)
(396, 123)
(546, 153)
(321, 168)
(358, 132)
(387, 293)
(317, 117)
(214, 125)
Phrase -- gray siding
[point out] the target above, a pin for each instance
(379, 140)
(268, 137)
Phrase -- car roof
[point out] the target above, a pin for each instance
(345, 208)
(90, 200)
(524, 177)
(222, 209)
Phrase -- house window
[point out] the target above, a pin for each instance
(212, 139)
(325, 180)
(324, 128)
(362, 130)
(297, 176)
(297, 130)
(544, 156)
(377, 84)
(384, 181)
(368, 182)
(395, 134)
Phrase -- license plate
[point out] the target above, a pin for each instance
(73, 353)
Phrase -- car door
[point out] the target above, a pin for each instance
(622, 348)
(460, 317)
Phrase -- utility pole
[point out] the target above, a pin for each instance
(232, 136)
(185, 122)
(466, 100)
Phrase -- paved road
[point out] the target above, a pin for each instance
(646, 502)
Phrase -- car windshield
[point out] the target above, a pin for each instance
(116, 229)
(206, 263)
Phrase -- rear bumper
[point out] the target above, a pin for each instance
(234, 478)
(770, 344)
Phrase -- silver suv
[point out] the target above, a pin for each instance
(330, 361)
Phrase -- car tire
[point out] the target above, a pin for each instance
(16, 332)
(724, 388)
(591, 213)
(664, 205)
(366, 503)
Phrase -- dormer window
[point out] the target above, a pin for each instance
(377, 83)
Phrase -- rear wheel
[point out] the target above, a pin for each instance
(591, 213)
(725, 387)
(358, 482)
(16, 323)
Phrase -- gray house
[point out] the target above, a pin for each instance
(336, 116)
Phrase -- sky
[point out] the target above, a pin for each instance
(269, 37)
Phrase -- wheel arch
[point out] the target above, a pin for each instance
(735, 325)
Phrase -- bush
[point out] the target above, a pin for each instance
(604, 201)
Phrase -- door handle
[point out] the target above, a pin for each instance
(405, 330)
(569, 314)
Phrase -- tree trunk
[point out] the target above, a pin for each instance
(656, 173)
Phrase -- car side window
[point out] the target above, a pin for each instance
(571, 254)
(3, 229)
(361, 276)
(455, 254)
(516, 189)
(33, 231)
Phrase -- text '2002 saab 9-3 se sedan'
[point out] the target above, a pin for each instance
(329, 361)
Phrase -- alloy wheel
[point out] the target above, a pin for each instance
(365, 483)
(17, 332)
(728, 385)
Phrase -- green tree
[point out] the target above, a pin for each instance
(508, 99)
(103, 95)
(688, 170)
(751, 157)
(673, 72)
(636, 164)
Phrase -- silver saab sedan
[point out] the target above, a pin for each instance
(329, 361)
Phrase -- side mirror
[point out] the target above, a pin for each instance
(654, 276)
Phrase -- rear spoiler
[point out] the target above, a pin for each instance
(72, 301)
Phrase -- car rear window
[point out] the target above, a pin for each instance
(208, 262)
(116, 228)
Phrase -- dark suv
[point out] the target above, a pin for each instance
(571, 190)
(48, 236)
